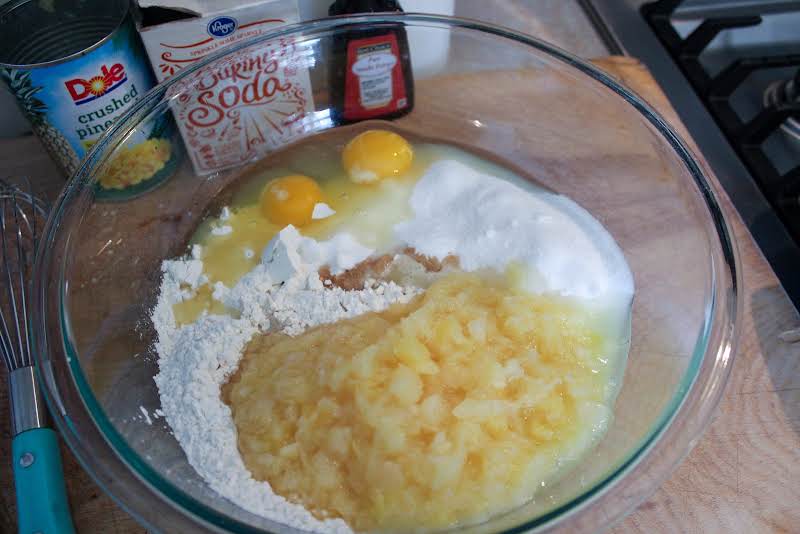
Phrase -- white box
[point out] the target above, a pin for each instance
(243, 107)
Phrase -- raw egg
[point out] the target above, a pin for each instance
(290, 199)
(376, 154)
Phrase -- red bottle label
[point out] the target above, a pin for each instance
(374, 83)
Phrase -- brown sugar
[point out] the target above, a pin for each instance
(379, 266)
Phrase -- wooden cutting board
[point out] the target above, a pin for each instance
(744, 474)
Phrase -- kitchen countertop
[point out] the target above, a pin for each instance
(743, 474)
(560, 22)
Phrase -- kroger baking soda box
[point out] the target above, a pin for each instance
(242, 106)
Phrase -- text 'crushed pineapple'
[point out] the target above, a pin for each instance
(444, 411)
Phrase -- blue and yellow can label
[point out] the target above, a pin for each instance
(72, 103)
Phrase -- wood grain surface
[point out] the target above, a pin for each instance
(743, 475)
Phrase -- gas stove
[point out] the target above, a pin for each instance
(731, 69)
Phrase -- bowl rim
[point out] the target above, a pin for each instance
(694, 401)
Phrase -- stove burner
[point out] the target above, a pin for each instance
(781, 111)
(783, 93)
(789, 90)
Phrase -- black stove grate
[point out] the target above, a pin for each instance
(747, 137)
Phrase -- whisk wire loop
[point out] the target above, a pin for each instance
(6, 335)
(19, 211)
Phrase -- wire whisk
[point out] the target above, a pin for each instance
(22, 217)
(38, 475)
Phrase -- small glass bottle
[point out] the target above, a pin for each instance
(370, 75)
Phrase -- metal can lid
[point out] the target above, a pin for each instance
(38, 34)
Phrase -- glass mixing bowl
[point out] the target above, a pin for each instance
(528, 104)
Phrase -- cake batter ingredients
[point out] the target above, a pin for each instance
(444, 411)
(357, 398)
(197, 358)
(292, 262)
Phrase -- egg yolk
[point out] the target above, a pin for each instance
(290, 199)
(376, 154)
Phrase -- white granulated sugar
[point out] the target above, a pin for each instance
(489, 222)
(282, 293)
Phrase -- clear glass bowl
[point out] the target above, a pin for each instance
(529, 104)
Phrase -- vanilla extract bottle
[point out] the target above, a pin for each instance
(370, 75)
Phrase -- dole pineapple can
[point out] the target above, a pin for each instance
(75, 67)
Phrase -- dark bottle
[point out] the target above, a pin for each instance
(370, 74)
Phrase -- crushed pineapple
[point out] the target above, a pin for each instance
(440, 412)
(131, 165)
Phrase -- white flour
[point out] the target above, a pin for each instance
(195, 360)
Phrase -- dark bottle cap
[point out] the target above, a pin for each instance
(350, 7)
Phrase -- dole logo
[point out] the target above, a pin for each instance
(83, 91)
(222, 26)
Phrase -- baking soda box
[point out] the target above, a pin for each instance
(243, 105)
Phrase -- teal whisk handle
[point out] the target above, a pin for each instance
(39, 481)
